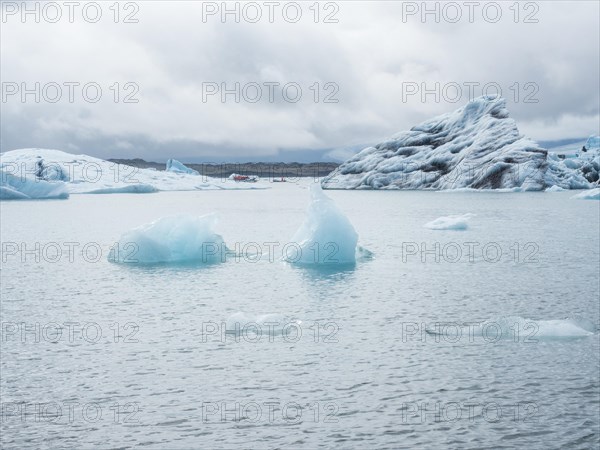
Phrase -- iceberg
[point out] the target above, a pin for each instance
(592, 144)
(450, 222)
(175, 166)
(326, 237)
(172, 239)
(25, 188)
(592, 194)
(85, 174)
(477, 146)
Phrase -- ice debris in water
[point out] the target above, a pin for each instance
(172, 239)
(460, 222)
(592, 194)
(326, 237)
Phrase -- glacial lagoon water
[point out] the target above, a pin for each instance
(142, 358)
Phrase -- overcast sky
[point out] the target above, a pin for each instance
(369, 56)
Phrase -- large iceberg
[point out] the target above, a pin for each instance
(172, 239)
(326, 237)
(477, 146)
(175, 166)
(83, 174)
(25, 188)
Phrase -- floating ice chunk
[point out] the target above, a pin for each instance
(555, 188)
(592, 194)
(175, 166)
(25, 188)
(326, 236)
(450, 222)
(172, 239)
(268, 324)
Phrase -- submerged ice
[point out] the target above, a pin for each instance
(273, 324)
(326, 236)
(516, 328)
(172, 239)
(460, 222)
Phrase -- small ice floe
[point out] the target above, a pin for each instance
(450, 222)
(172, 239)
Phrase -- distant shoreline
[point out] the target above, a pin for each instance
(263, 170)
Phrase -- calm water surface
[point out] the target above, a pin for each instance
(139, 361)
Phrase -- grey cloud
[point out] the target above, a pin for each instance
(369, 54)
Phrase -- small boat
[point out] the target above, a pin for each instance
(281, 180)
(243, 178)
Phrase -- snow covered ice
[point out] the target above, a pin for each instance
(24, 188)
(477, 146)
(172, 239)
(460, 222)
(326, 237)
(83, 174)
